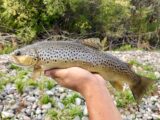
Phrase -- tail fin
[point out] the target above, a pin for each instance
(141, 87)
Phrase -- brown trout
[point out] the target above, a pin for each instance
(81, 53)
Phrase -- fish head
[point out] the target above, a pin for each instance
(26, 56)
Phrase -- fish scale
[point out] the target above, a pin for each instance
(85, 54)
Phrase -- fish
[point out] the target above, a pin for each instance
(84, 53)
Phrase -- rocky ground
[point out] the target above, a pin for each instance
(149, 109)
(67, 104)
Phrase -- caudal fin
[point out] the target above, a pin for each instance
(141, 87)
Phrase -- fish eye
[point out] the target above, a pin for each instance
(18, 53)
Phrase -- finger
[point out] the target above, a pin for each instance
(59, 81)
(98, 76)
(56, 73)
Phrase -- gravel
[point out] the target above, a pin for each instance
(27, 106)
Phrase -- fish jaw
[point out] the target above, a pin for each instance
(24, 60)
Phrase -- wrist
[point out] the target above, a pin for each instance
(92, 85)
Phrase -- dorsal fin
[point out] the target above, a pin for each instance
(91, 42)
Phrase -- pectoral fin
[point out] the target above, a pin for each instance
(37, 71)
(91, 42)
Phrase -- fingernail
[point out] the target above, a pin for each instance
(47, 73)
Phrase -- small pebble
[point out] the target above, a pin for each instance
(60, 105)
(78, 101)
(6, 114)
(47, 106)
(77, 118)
(85, 111)
(85, 118)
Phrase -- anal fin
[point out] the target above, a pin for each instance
(117, 85)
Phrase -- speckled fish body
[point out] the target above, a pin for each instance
(63, 54)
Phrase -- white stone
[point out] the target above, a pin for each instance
(47, 106)
(44, 110)
(49, 92)
(77, 118)
(63, 95)
(28, 111)
(85, 111)
(38, 111)
(26, 118)
(60, 105)
(34, 106)
(153, 98)
(6, 114)
(1, 107)
(61, 89)
(156, 117)
(10, 89)
(31, 99)
(39, 117)
(78, 101)
(157, 74)
(85, 118)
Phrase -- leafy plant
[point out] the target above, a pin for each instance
(71, 99)
(27, 19)
(20, 84)
(46, 84)
(125, 47)
(124, 98)
(76, 111)
(147, 70)
(52, 113)
(45, 99)
(7, 49)
(32, 82)
(49, 84)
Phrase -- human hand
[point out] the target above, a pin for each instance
(75, 78)
(92, 87)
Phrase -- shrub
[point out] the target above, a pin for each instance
(28, 18)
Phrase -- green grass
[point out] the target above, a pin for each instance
(22, 80)
(20, 85)
(147, 70)
(45, 99)
(55, 114)
(5, 79)
(71, 99)
(145, 67)
(66, 114)
(13, 66)
(134, 62)
(49, 84)
(76, 111)
(46, 84)
(32, 82)
(52, 113)
(7, 49)
(124, 98)
(126, 47)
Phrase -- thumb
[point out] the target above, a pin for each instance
(56, 73)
